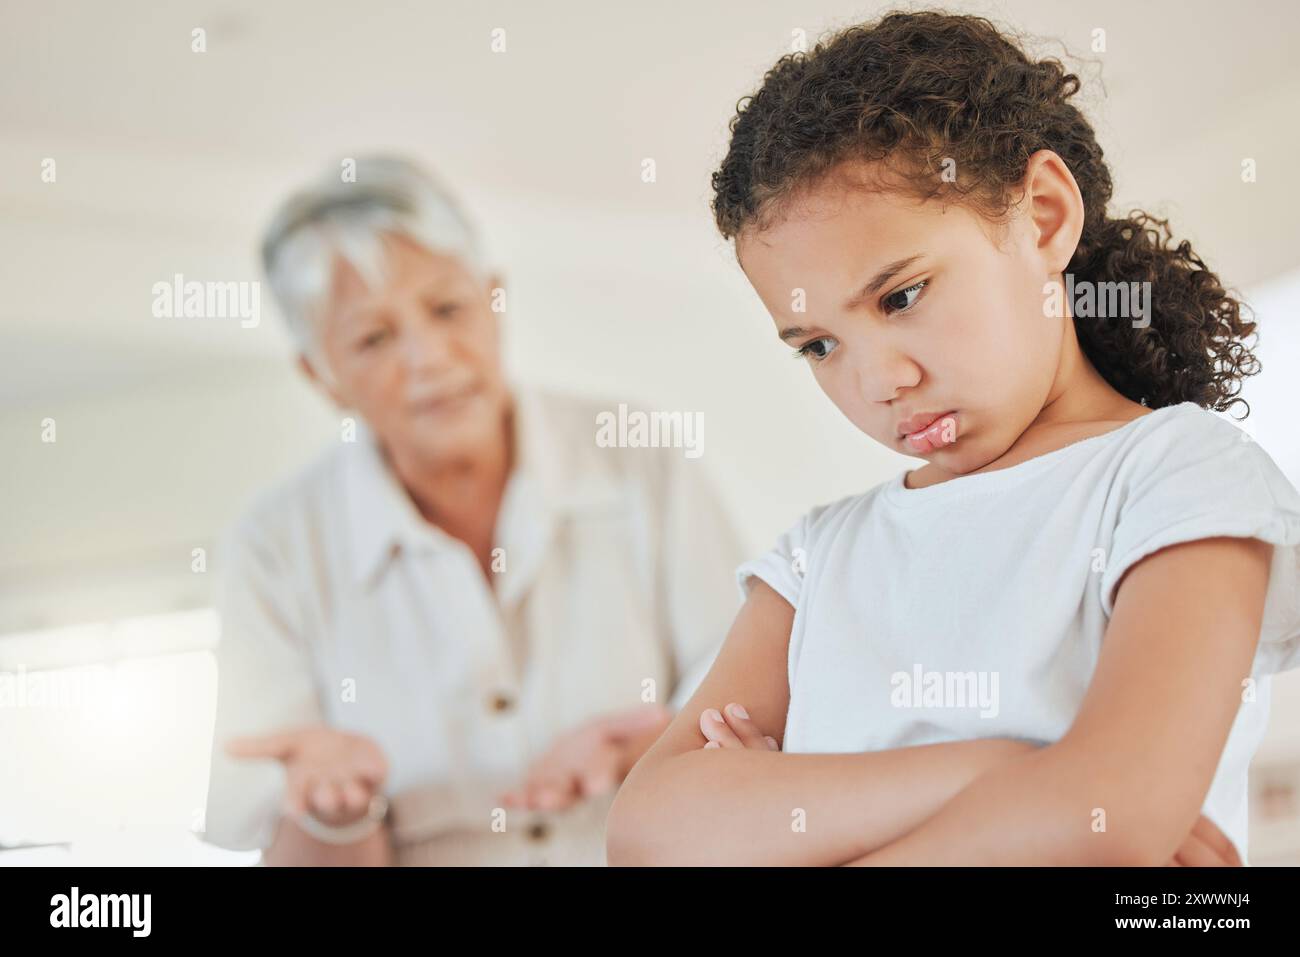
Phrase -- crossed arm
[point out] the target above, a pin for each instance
(1143, 748)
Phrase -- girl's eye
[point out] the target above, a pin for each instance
(904, 298)
(816, 349)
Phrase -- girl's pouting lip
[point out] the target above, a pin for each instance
(942, 431)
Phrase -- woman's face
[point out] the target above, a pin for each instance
(419, 358)
(906, 311)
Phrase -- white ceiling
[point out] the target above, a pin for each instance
(168, 160)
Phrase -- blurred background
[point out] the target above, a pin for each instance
(168, 161)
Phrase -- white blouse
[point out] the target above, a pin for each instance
(342, 605)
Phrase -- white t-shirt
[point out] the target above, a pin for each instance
(976, 608)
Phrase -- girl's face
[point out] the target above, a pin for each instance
(908, 312)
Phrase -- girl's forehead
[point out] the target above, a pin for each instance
(848, 227)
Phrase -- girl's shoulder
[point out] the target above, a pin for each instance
(820, 519)
(1189, 474)
(1151, 436)
(1189, 443)
(785, 564)
(1185, 417)
(1186, 468)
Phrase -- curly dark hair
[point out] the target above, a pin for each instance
(915, 89)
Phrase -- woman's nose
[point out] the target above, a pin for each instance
(425, 347)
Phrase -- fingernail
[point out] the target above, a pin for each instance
(739, 712)
(712, 744)
(772, 741)
(713, 713)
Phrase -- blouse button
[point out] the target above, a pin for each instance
(538, 831)
(501, 702)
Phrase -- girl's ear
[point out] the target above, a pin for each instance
(1055, 209)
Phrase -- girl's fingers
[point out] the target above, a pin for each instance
(738, 719)
(1196, 853)
(1205, 829)
(733, 728)
(716, 729)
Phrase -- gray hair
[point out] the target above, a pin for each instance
(337, 216)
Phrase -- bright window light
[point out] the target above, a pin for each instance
(108, 731)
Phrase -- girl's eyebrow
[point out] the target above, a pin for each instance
(882, 277)
(869, 290)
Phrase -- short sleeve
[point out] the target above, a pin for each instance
(783, 566)
(1206, 479)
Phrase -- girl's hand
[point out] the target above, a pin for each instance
(732, 728)
(329, 774)
(1205, 846)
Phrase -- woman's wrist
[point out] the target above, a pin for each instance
(358, 830)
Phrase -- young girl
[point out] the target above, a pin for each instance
(1051, 643)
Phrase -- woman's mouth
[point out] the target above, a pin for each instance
(444, 402)
(940, 432)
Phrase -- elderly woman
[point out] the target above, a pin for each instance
(448, 639)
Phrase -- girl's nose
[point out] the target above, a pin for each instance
(888, 373)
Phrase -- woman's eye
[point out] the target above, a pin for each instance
(904, 298)
(373, 339)
(444, 310)
(817, 349)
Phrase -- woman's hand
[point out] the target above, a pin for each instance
(589, 761)
(732, 728)
(330, 774)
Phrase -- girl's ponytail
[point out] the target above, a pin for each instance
(1190, 346)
